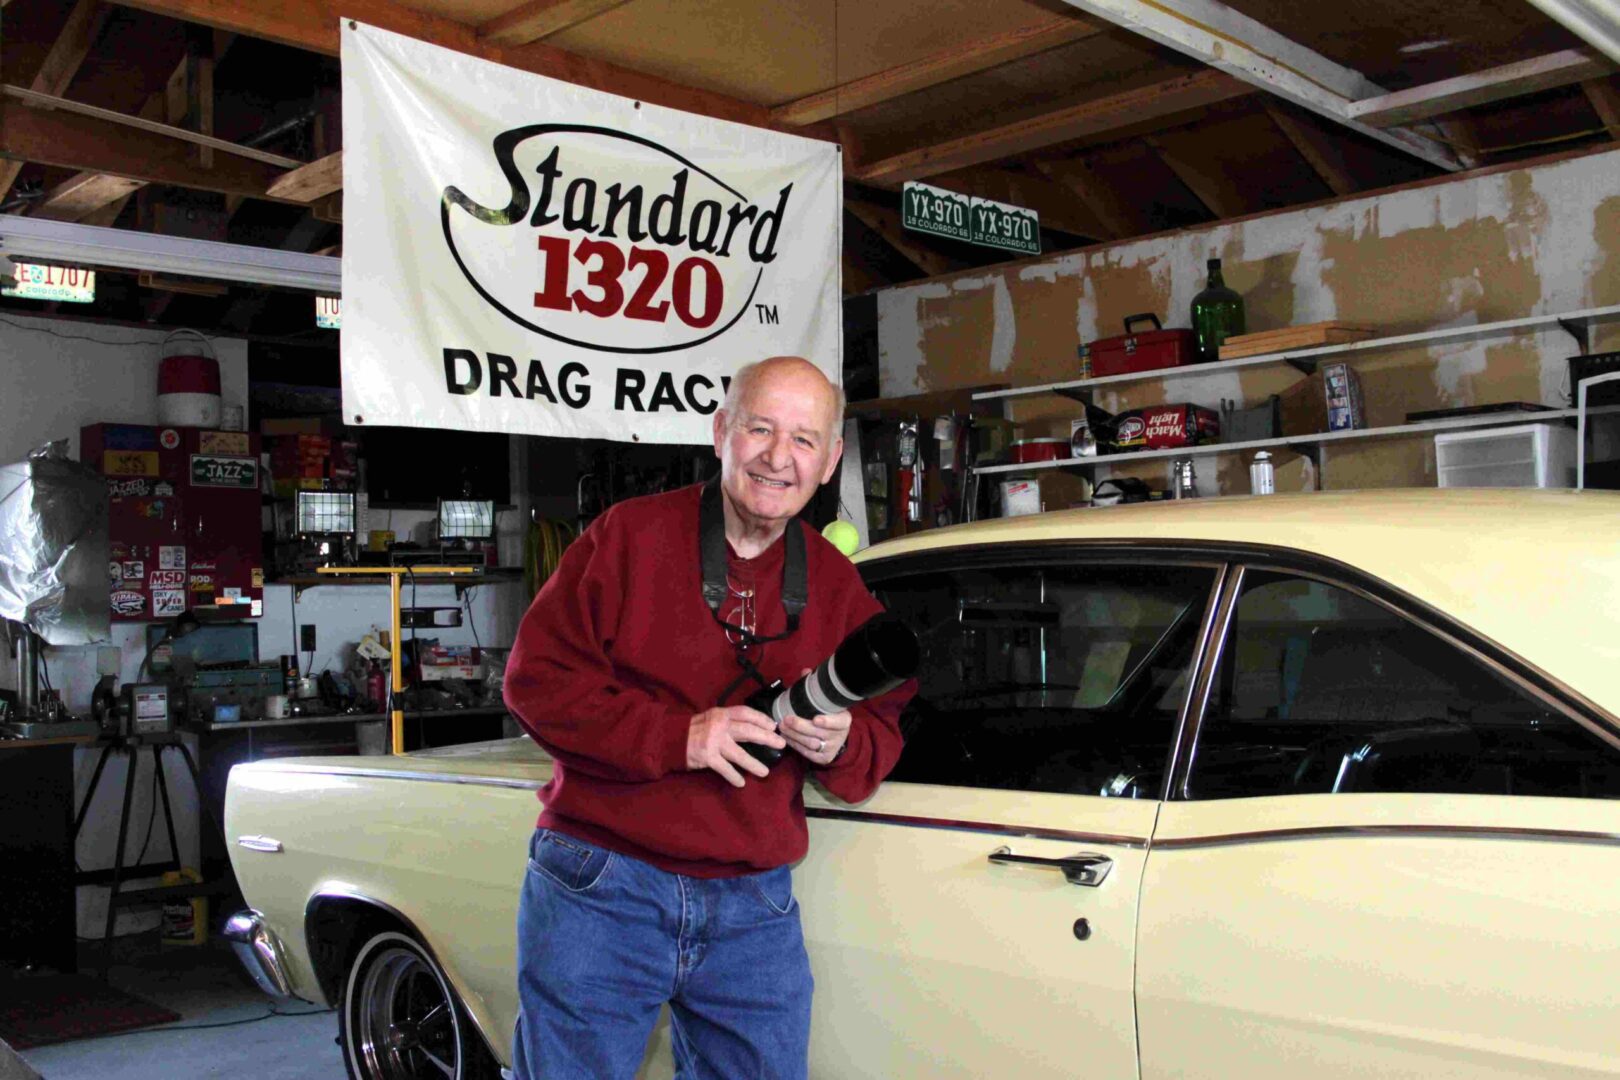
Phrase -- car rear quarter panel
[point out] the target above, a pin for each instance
(448, 856)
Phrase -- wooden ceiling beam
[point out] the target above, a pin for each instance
(1229, 41)
(313, 25)
(1320, 152)
(858, 276)
(1119, 216)
(984, 53)
(61, 63)
(71, 141)
(542, 18)
(1087, 119)
(314, 181)
(82, 194)
(885, 221)
(1480, 88)
(1606, 102)
(1210, 186)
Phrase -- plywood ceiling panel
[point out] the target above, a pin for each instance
(777, 52)
(1087, 70)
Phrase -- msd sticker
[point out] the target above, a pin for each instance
(167, 579)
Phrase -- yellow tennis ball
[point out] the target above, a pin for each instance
(843, 536)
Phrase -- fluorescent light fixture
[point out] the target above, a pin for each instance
(1596, 22)
(91, 245)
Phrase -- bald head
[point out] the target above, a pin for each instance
(796, 371)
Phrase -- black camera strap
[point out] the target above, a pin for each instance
(712, 549)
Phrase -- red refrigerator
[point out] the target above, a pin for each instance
(184, 519)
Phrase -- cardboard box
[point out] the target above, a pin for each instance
(1020, 497)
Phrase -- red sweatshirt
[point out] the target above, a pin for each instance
(618, 652)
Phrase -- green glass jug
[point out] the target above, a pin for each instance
(1217, 314)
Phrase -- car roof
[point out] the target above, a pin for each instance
(1535, 572)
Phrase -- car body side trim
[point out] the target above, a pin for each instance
(431, 777)
(1033, 832)
(1342, 832)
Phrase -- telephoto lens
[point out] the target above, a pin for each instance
(876, 657)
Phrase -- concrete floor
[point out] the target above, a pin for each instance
(206, 986)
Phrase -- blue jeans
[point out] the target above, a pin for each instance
(605, 940)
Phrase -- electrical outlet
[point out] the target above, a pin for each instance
(306, 637)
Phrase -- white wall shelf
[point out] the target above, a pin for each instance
(1304, 444)
(1576, 323)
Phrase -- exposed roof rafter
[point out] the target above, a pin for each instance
(63, 61)
(1480, 88)
(1230, 41)
(1088, 119)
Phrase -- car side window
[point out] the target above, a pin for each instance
(1322, 690)
(1059, 679)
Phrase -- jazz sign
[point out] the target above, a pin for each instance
(955, 216)
(530, 256)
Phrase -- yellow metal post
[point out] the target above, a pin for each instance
(396, 684)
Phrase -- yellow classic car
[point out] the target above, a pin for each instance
(1319, 785)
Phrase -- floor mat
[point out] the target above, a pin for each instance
(36, 1010)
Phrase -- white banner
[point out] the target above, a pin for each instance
(529, 256)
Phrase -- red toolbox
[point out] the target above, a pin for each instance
(1131, 353)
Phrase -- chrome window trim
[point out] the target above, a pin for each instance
(1028, 832)
(1083, 555)
(1339, 832)
(1209, 661)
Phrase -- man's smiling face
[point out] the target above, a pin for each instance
(779, 446)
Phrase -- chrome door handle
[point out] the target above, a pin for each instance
(1082, 869)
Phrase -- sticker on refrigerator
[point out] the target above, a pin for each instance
(171, 558)
(163, 487)
(233, 595)
(134, 571)
(168, 579)
(258, 608)
(169, 439)
(115, 572)
(167, 602)
(129, 463)
(258, 577)
(128, 603)
(223, 442)
(137, 487)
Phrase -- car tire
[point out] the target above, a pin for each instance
(401, 1019)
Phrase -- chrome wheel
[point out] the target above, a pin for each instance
(400, 1016)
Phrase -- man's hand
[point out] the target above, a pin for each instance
(712, 741)
(818, 739)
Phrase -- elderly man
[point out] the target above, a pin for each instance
(659, 871)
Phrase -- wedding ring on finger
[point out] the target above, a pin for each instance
(821, 746)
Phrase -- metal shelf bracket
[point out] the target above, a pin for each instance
(1580, 332)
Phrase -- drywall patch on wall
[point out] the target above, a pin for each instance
(1603, 262)
(900, 336)
(1004, 335)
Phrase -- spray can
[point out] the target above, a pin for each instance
(377, 686)
(1262, 477)
(289, 675)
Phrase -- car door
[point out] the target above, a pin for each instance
(1391, 851)
(977, 916)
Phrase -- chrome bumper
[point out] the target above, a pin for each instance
(259, 952)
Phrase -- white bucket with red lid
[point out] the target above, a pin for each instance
(188, 382)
